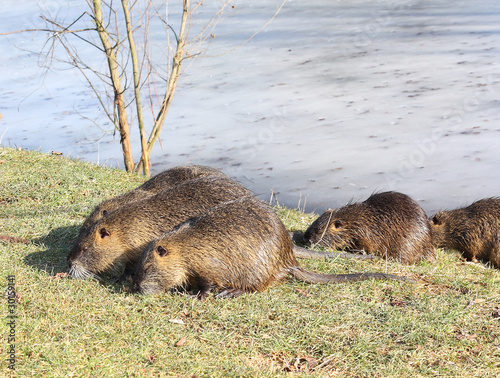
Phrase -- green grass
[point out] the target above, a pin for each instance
(447, 324)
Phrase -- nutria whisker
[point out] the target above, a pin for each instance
(324, 232)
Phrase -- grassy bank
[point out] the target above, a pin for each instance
(447, 324)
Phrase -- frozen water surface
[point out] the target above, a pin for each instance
(332, 101)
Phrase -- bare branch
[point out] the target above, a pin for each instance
(254, 34)
(129, 64)
(174, 76)
(117, 87)
(46, 30)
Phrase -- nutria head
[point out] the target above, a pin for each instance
(439, 228)
(160, 269)
(339, 228)
(96, 252)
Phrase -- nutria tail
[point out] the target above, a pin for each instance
(311, 277)
(305, 253)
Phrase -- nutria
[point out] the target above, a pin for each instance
(118, 240)
(389, 224)
(473, 230)
(164, 180)
(240, 246)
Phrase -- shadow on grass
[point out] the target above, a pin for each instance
(58, 243)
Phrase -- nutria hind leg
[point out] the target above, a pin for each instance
(201, 287)
(202, 294)
(494, 251)
(230, 293)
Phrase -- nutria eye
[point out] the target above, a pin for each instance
(161, 251)
(104, 213)
(337, 224)
(104, 233)
(436, 221)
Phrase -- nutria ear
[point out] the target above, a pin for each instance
(104, 233)
(436, 221)
(337, 223)
(161, 251)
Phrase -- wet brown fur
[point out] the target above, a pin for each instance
(473, 230)
(388, 224)
(119, 239)
(238, 247)
(164, 180)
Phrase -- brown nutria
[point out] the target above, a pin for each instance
(473, 230)
(164, 180)
(388, 224)
(118, 240)
(240, 246)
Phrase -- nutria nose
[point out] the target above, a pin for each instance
(75, 253)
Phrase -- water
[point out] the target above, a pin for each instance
(330, 102)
